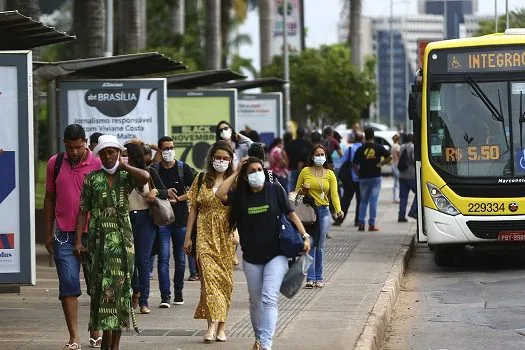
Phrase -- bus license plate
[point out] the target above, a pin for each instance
(512, 236)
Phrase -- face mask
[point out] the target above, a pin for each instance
(220, 165)
(319, 160)
(256, 179)
(169, 155)
(113, 169)
(226, 134)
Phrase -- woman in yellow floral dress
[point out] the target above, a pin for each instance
(214, 247)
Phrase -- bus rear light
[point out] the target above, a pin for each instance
(441, 202)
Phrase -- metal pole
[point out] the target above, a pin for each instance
(287, 109)
(507, 25)
(52, 122)
(495, 16)
(109, 28)
(391, 64)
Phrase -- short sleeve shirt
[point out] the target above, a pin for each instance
(367, 157)
(170, 178)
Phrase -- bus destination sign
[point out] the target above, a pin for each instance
(486, 61)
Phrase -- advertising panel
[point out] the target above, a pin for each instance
(128, 109)
(17, 207)
(192, 118)
(262, 113)
(293, 22)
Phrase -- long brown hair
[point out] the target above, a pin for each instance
(211, 173)
(311, 158)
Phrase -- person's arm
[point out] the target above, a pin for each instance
(188, 180)
(357, 159)
(338, 149)
(241, 139)
(228, 183)
(334, 193)
(85, 207)
(295, 219)
(387, 158)
(300, 181)
(49, 205)
(192, 220)
(157, 181)
(141, 176)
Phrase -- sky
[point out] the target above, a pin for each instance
(322, 18)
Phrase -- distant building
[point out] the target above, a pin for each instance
(454, 12)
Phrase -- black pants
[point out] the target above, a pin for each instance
(351, 188)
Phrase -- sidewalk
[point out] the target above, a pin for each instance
(356, 267)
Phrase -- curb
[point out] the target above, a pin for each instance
(373, 334)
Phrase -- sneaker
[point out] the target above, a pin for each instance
(361, 227)
(193, 278)
(373, 228)
(402, 220)
(178, 299)
(165, 303)
(145, 310)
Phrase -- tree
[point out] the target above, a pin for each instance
(89, 20)
(265, 31)
(132, 25)
(516, 20)
(178, 20)
(213, 34)
(355, 31)
(325, 86)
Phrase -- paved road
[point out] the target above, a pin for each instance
(480, 305)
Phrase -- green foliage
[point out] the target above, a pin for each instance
(326, 86)
(516, 20)
(241, 64)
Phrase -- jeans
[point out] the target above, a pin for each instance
(294, 176)
(395, 189)
(143, 236)
(406, 185)
(264, 282)
(176, 235)
(315, 272)
(67, 264)
(349, 189)
(370, 189)
(192, 264)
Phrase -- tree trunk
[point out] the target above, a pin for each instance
(133, 26)
(178, 17)
(226, 21)
(355, 31)
(89, 21)
(265, 31)
(213, 34)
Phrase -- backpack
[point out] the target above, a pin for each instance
(58, 165)
(345, 172)
(404, 162)
(180, 172)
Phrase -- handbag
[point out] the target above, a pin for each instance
(291, 241)
(161, 210)
(303, 210)
(193, 253)
(294, 277)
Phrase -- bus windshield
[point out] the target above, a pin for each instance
(475, 129)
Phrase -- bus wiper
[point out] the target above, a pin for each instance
(496, 114)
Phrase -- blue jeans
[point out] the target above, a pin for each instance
(405, 186)
(264, 282)
(315, 272)
(396, 188)
(67, 264)
(176, 235)
(143, 237)
(192, 264)
(370, 189)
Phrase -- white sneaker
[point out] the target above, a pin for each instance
(165, 305)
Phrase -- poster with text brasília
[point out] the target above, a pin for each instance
(128, 109)
(192, 118)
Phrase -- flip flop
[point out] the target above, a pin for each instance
(95, 343)
(72, 346)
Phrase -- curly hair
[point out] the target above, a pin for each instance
(211, 173)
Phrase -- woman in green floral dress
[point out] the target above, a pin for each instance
(110, 251)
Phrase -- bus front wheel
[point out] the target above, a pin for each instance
(447, 255)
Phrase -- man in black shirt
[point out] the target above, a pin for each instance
(368, 160)
(298, 151)
(177, 177)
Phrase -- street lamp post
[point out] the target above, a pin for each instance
(507, 25)
(391, 64)
(495, 16)
(287, 109)
(109, 28)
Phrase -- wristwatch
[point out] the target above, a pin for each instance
(305, 236)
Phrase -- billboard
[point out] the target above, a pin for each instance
(17, 203)
(293, 22)
(192, 118)
(126, 108)
(262, 113)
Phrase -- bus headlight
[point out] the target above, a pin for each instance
(441, 202)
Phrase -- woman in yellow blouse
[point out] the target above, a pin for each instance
(323, 188)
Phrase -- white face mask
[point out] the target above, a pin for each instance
(113, 169)
(220, 165)
(226, 134)
(168, 155)
(256, 179)
(319, 160)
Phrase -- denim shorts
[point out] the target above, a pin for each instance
(67, 264)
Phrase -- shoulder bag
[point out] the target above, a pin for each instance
(161, 210)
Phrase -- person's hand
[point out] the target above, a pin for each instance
(340, 215)
(1, 151)
(307, 246)
(49, 244)
(187, 246)
(78, 250)
(241, 163)
(379, 165)
(172, 194)
(122, 163)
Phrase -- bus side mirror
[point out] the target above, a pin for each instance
(413, 110)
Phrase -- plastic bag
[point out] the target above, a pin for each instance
(294, 278)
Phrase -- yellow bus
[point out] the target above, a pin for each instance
(468, 109)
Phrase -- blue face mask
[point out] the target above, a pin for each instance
(256, 179)
(319, 160)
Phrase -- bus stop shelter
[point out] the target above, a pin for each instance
(193, 80)
(251, 84)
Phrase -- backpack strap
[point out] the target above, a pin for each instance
(58, 164)
(180, 171)
(270, 176)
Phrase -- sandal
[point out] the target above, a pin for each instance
(95, 343)
(72, 346)
(319, 284)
